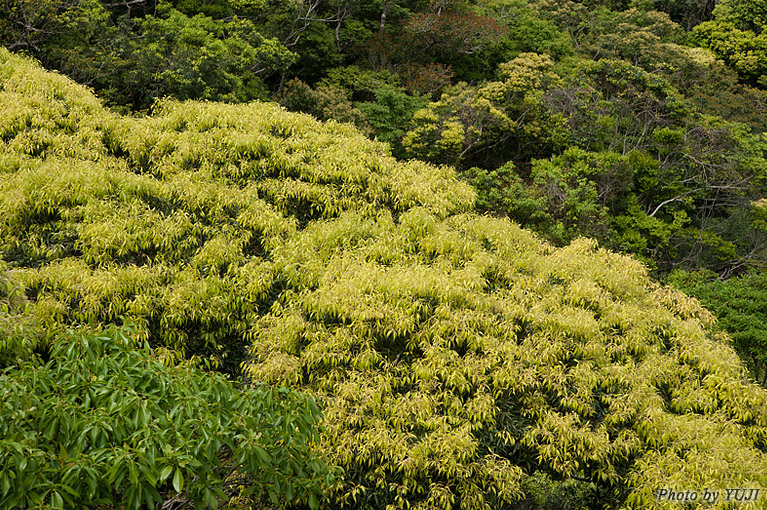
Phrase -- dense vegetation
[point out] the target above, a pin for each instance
(459, 360)
(104, 423)
(741, 308)
(638, 124)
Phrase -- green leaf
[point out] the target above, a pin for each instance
(210, 499)
(178, 481)
(262, 455)
(313, 503)
(167, 470)
(5, 483)
(57, 502)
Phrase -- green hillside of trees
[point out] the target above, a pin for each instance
(429, 356)
(639, 124)
(452, 278)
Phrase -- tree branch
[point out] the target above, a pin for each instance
(675, 199)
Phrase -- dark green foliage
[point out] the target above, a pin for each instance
(104, 424)
(29, 24)
(318, 51)
(578, 190)
(136, 60)
(687, 13)
(215, 9)
(390, 114)
(715, 90)
(546, 494)
(325, 102)
(503, 192)
(196, 58)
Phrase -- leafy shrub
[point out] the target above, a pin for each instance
(105, 424)
(458, 357)
(170, 221)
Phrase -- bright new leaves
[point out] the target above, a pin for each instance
(455, 355)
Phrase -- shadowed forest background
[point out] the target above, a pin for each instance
(456, 283)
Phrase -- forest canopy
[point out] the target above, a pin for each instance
(459, 360)
(638, 124)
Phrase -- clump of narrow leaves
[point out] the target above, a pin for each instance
(105, 424)
(16, 330)
(458, 357)
(170, 220)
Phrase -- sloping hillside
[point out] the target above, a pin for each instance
(455, 355)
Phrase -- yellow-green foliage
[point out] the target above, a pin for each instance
(452, 353)
(16, 329)
(455, 354)
(170, 221)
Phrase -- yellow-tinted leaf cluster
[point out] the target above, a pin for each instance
(16, 328)
(440, 344)
(171, 221)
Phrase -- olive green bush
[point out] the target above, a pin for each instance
(455, 357)
(459, 359)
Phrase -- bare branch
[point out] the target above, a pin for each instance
(675, 199)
